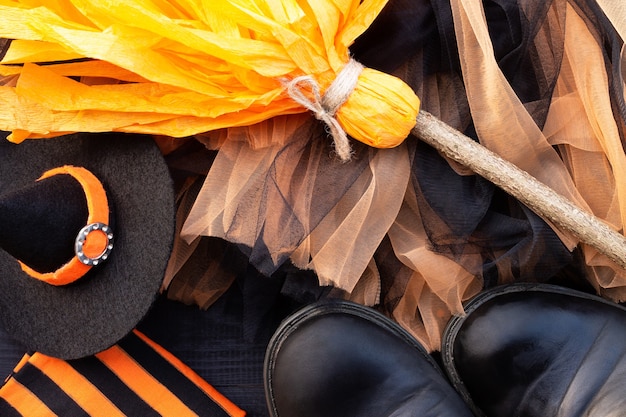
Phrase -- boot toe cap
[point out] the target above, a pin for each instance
(341, 359)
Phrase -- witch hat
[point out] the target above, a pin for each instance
(86, 228)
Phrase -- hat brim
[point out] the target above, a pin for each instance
(99, 309)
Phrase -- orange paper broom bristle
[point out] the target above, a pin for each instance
(184, 67)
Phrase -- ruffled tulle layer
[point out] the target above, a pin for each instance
(407, 230)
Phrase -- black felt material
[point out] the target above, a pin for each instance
(39, 223)
(95, 312)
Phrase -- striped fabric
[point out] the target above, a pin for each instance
(136, 377)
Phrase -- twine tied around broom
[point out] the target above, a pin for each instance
(325, 106)
(537, 196)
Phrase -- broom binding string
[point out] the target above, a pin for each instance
(324, 107)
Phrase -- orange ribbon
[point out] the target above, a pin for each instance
(96, 242)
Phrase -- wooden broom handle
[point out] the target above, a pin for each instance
(540, 198)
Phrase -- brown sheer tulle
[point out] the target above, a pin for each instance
(502, 122)
(295, 201)
(340, 248)
(436, 285)
(583, 126)
(540, 83)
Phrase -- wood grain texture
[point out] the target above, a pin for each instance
(540, 198)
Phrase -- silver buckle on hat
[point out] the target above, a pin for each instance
(82, 236)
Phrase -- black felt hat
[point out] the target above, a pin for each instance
(41, 224)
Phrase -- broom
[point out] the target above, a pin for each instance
(181, 67)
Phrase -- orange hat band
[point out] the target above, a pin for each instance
(94, 242)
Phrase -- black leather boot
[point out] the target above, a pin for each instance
(539, 351)
(340, 359)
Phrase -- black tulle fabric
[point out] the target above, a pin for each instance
(306, 149)
(491, 235)
(303, 192)
(467, 213)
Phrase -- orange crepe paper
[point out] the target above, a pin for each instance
(179, 68)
